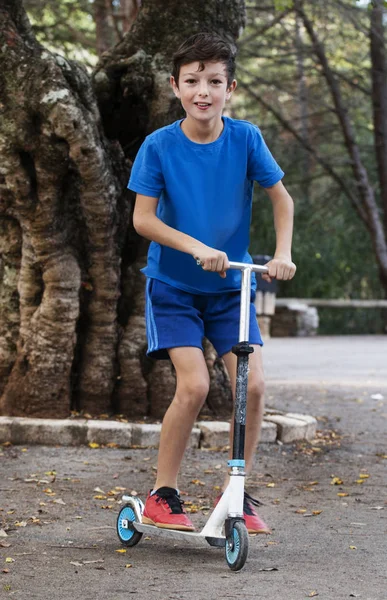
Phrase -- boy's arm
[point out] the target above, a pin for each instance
(147, 224)
(281, 266)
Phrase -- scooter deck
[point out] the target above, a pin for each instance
(176, 534)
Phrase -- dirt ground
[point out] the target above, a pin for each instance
(325, 500)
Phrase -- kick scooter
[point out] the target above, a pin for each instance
(225, 527)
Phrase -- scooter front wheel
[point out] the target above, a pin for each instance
(237, 546)
(125, 530)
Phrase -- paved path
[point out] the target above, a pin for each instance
(59, 505)
(342, 360)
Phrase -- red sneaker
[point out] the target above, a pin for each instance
(165, 509)
(254, 523)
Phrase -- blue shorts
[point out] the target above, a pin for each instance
(175, 318)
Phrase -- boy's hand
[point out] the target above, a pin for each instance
(280, 268)
(212, 260)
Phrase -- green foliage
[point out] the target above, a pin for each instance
(65, 26)
(332, 247)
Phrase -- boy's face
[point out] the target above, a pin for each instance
(203, 94)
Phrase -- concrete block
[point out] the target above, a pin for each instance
(146, 434)
(311, 424)
(107, 432)
(214, 434)
(268, 432)
(49, 432)
(5, 429)
(289, 429)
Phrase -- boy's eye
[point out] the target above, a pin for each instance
(216, 81)
(190, 80)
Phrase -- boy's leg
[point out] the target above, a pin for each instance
(255, 401)
(192, 385)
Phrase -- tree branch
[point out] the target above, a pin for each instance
(305, 144)
(370, 210)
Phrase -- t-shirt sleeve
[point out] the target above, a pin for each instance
(146, 176)
(262, 167)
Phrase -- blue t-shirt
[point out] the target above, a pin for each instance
(205, 191)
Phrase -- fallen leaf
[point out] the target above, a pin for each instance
(93, 445)
(336, 481)
(59, 501)
(316, 512)
(5, 570)
(270, 485)
(301, 511)
(9, 560)
(353, 547)
(363, 475)
(312, 594)
(342, 494)
(121, 551)
(98, 490)
(3, 533)
(197, 482)
(128, 566)
(5, 544)
(21, 524)
(359, 481)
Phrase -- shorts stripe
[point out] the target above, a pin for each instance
(150, 321)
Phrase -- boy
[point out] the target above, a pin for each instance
(194, 182)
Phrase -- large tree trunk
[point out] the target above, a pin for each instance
(135, 98)
(60, 196)
(72, 325)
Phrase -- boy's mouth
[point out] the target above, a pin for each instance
(202, 105)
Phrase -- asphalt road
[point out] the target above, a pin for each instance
(58, 506)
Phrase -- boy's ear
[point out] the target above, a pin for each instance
(230, 89)
(173, 83)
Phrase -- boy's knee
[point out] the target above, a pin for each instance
(256, 389)
(193, 392)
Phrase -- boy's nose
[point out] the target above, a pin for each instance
(203, 91)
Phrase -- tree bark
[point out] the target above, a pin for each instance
(61, 185)
(72, 330)
(104, 30)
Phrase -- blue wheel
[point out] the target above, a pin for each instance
(125, 530)
(237, 546)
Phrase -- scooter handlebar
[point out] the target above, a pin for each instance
(252, 267)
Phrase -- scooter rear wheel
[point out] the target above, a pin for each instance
(237, 546)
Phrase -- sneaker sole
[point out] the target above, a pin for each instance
(147, 521)
(264, 531)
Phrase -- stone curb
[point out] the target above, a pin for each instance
(276, 427)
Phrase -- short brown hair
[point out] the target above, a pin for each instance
(204, 47)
